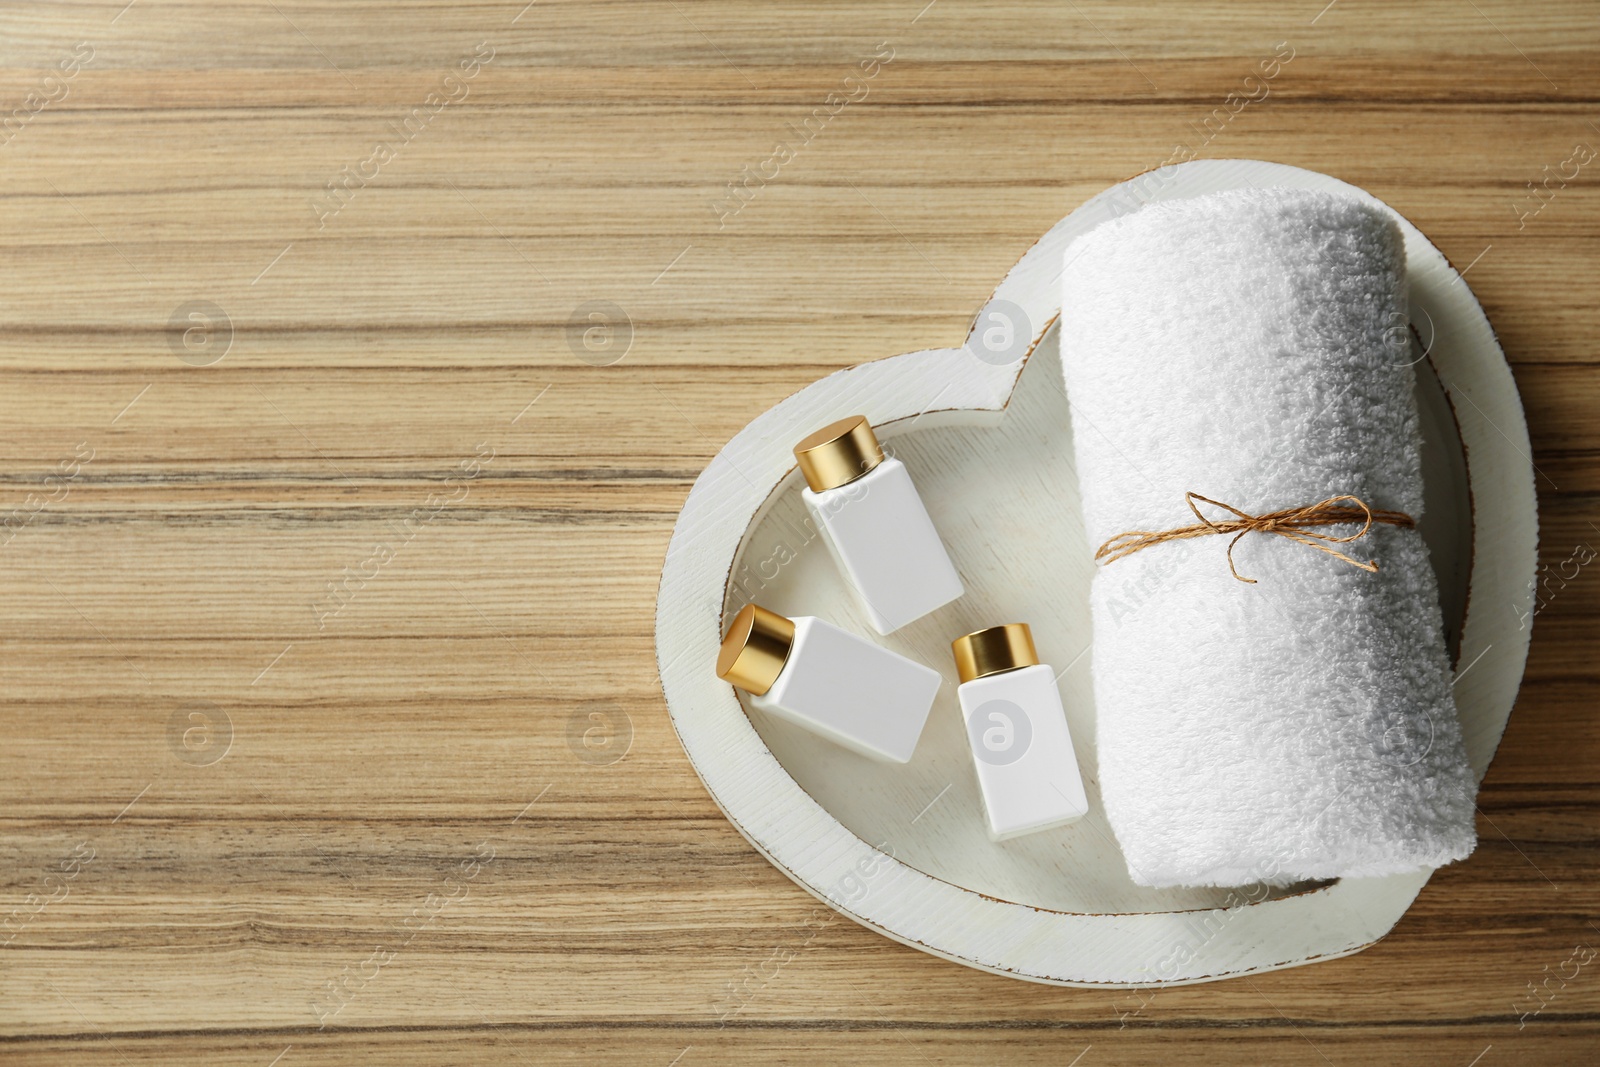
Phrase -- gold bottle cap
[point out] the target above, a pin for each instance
(839, 453)
(991, 651)
(754, 649)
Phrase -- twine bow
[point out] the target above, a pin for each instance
(1297, 524)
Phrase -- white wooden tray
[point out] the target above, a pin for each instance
(902, 849)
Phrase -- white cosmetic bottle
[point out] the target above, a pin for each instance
(875, 524)
(829, 681)
(1027, 770)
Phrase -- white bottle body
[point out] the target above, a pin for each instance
(1027, 769)
(883, 540)
(851, 691)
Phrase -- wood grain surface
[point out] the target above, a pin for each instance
(331, 520)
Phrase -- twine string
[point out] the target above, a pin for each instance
(1297, 524)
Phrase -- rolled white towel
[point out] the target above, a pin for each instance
(1242, 345)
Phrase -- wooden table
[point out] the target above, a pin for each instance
(332, 517)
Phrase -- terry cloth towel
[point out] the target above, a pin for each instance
(1250, 346)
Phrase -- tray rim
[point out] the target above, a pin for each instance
(1369, 907)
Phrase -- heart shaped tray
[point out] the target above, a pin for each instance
(985, 430)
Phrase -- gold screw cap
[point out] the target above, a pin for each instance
(839, 453)
(999, 648)
(754, 649)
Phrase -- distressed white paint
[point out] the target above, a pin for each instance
(990, 451)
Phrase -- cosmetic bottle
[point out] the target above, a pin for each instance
(875, 524)
(1027, 770)
(829, 681)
